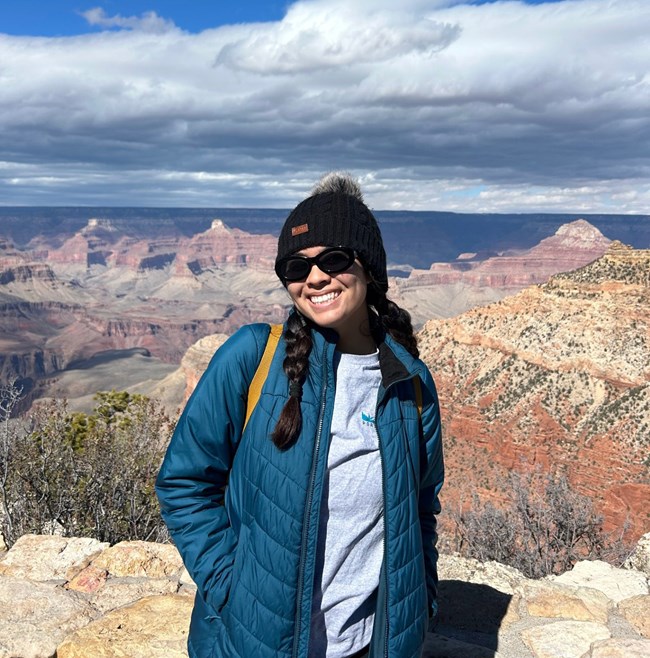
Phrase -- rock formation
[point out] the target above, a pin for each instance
(573, 245)
(79, 598)
(448, 289)
(100, 291)
(558, 376)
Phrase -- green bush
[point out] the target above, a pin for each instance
(76, 474)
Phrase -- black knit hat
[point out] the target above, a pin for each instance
(336, 216)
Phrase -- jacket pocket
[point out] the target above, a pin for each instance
(240, 554)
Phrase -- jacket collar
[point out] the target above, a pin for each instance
(395, 362)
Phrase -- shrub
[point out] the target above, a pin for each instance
(545, 528)
(78, 474)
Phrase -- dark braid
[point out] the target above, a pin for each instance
(297, 336)
(393, 319)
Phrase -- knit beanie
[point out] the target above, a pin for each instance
(336, 216)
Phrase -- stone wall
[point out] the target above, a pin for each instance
(79, 598)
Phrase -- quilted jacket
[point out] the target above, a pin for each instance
(244, 515)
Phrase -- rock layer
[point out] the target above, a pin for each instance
(559, 375)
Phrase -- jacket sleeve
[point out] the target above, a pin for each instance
(192, 480)
(431, 479)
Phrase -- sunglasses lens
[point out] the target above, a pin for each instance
(295, 269)
(335, 260)
(332, 261)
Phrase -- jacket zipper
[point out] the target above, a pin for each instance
(383, 492)
(310, 496)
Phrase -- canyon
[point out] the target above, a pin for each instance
(556, 376)
(103, 292)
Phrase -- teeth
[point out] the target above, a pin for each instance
(321, 299)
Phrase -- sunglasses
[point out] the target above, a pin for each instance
(331, 261)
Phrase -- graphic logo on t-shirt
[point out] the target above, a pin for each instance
(367, 419)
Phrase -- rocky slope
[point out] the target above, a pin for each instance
(557, 375)
(79, 598)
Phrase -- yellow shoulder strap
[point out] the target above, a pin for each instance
(417, 385)
(262, 371)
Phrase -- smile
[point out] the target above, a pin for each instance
(324, 299)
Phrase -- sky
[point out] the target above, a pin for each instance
(484, 106)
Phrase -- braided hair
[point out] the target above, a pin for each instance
(334, 214)
(389, 318)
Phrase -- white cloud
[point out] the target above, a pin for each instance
(148, 22)
(437, 105)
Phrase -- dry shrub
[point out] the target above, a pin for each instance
(89, 475)
(545, 529)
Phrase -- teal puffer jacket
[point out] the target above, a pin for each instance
(244, 515)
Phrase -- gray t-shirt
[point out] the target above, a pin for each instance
(351, 528)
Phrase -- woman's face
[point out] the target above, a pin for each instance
(336, 301)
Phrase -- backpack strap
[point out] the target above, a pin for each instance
(255, 388)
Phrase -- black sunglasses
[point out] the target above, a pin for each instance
(331, 261)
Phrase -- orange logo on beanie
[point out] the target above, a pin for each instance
(299, 230)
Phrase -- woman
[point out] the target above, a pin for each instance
(311, 532)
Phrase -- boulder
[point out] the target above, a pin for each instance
(619, 648)
(35, 617)
(118, 592)
(637, 611)
(544, 599)
(49, 557)
(498, 576)
(564, 639)
(616, 584)
(154, 627)
(140, 559)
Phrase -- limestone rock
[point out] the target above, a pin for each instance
(616, 584)
(564, 639)
(637, 611)
(544, 599)
(640, 558)
(620, 648)
(49, 557)
(89, 580)
(499, 576)
(118, 592)
(154, 627)
(140, 559)
(35, 617)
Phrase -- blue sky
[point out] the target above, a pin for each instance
(64, 17)
(506, 106)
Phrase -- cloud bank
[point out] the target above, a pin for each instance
(436, 105)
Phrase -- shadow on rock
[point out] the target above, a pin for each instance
(470, 614)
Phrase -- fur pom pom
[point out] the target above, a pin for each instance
(339, 182)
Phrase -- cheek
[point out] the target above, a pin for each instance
(294, 291)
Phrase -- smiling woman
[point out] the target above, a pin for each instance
(296, 525)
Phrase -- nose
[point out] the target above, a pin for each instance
(317, 277)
